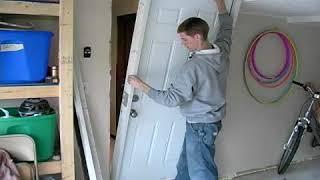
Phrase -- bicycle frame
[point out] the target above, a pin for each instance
(306, 120)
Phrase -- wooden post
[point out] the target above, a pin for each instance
(66, 89)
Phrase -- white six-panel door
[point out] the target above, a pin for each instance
(149, 141)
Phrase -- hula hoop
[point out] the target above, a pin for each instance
(288, 71)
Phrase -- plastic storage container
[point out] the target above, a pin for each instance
(24, 56)
(41, 128)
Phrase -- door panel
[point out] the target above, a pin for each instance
(156, 135)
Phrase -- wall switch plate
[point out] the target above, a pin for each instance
(87, 52)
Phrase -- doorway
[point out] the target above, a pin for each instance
(125, 32)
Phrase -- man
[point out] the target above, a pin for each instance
(199, 89)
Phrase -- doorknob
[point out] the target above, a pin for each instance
(135, 98)
(133, 113)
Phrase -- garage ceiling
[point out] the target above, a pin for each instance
(294, 10)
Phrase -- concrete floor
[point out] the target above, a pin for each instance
(308, 170)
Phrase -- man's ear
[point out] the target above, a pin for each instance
(198, 36)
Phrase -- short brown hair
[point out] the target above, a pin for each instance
(194, 25)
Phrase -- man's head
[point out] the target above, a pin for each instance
(193, 32)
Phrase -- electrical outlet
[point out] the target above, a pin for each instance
(87, 52)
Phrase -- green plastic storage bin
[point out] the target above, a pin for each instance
(41, 128)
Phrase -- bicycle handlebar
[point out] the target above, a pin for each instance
(307, 88)
(300, 84)
(297, 83)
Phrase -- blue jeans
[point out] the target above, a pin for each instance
(196, 160)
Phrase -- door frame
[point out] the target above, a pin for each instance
(125, 26)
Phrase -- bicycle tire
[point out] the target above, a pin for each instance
(314, 143)
(290, 151)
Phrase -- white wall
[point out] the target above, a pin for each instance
(93, 28)
(253, 134)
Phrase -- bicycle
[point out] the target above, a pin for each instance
(306, 122)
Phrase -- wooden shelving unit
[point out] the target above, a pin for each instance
(63, 91)
(14, 92)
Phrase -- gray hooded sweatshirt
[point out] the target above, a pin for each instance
(200, 86)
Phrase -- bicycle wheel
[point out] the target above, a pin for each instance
(314, 143)
(290, 150)
(316, 132)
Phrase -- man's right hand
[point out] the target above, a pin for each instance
(137, 83)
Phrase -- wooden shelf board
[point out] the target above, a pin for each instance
(16, 92)
(50, 167)
(29, 8)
